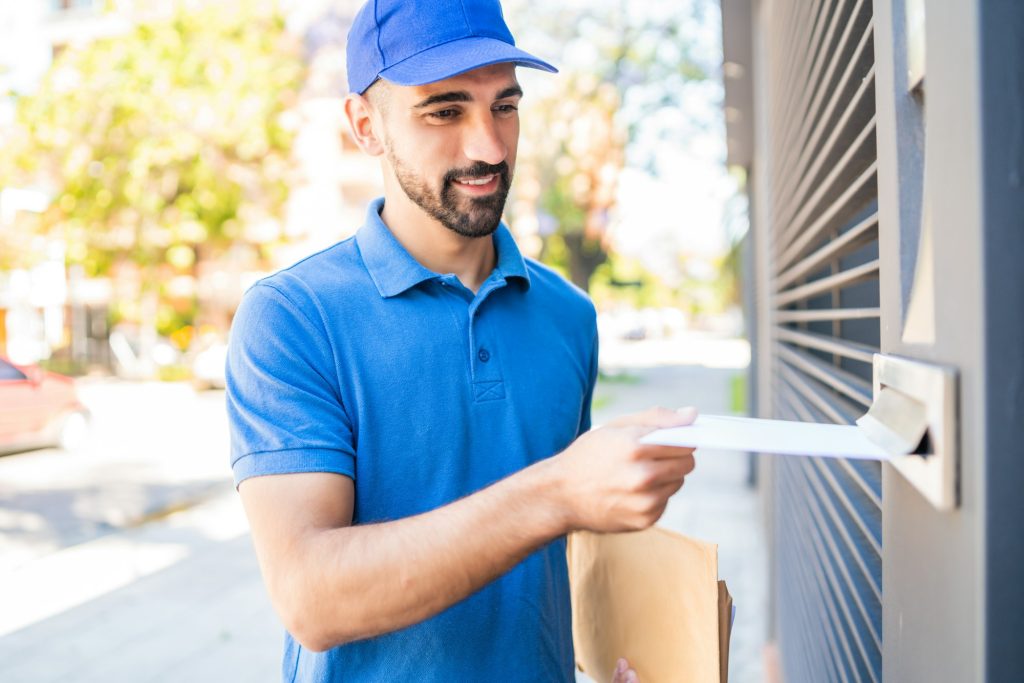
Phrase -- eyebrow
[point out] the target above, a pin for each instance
(511, 91)
(463, 96)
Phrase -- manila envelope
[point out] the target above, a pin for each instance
(654, 598)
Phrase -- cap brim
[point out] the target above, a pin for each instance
(457, 57)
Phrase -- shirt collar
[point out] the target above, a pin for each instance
(394, 270)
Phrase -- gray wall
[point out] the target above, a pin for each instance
(950, 160)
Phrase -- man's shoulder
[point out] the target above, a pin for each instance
(337, 268)
(557, 290)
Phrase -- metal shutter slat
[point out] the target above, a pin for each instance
(826, 405)
(858, 193)
(826, 314)
(845, 383)
(821, 342)
(827, 284)
(811, 80)
(846, 169)
(840, 649)
(801, 597)
(852, 612)
(835, 563)
(861, 234)
(810, 163)
(792, 24)
(806, 143)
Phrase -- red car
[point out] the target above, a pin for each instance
(38, 409)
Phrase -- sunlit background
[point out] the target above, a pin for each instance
(158, 158)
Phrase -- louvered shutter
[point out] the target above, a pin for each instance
(820, 228)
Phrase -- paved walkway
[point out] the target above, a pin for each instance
(175, 600)
(180, 598)
(154, 447)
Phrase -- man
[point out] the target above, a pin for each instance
(410, 407)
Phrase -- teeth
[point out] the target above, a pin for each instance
(477, 181)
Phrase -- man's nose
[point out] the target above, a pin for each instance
(482, 142)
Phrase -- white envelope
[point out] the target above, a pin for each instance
(720, 432)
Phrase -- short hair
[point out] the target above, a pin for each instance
(379, 95)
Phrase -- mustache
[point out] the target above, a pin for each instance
(477, 170)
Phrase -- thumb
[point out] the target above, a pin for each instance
(657, 418)
(685, 416)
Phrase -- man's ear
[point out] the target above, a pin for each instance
(362, 125)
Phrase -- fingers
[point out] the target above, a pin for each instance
(659, 452)
(624, 674)
(666, 471)
(669, 489)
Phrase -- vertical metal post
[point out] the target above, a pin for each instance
(1001, 26)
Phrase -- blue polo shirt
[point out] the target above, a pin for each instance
(361, 362)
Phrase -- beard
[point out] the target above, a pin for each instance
(466, 216)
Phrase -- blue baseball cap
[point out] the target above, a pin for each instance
(414, 42)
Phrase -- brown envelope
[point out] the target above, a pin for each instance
(652, 597)
(724, 630)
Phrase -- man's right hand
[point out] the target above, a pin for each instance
(612, 482)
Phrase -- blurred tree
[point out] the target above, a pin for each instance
(577, 159)
(624, 65)
(162, 145)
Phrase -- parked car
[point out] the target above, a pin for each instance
(39, 409)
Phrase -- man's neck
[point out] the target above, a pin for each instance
(437, 248)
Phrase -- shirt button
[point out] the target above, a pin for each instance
(484, 355)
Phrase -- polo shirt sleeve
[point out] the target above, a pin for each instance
(284, 405)
(589, 398)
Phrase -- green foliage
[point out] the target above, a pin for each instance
(604, 378)
(576, 152)
(558, 199)
(63, 365)
(645, 51)
(174, 373)
(623, 64)
(622, 280)
(729, 284)
(170, 135)
(556, 254)
(738, 393)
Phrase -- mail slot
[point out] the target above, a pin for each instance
(912, 424)
(915, 413)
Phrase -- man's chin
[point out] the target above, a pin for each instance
(475, 228)
(479, 221)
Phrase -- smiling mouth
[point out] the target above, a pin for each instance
(482, 180)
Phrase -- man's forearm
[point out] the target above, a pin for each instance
(333, 583)
(360, 581)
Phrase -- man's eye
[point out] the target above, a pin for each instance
(444, 114)
(506, 108)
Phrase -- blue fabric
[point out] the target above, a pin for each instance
(413, 42)
(361, 362)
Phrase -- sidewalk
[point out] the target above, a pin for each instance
(181, 599)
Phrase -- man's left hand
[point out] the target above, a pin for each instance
(623, 674)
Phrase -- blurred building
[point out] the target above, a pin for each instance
(326, 202)
(883, 148)
(34, 293)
